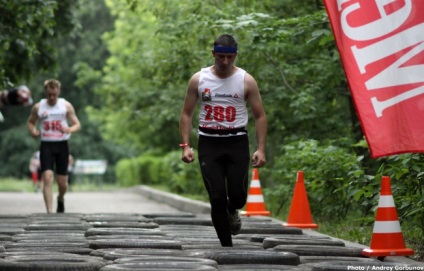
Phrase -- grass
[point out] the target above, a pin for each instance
(354, 230)
(26, 185)
(15, 185)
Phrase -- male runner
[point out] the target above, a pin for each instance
(223, 90)
(53, 114)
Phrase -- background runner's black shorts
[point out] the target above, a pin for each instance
(54, 155)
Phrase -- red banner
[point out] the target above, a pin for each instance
(381, 44)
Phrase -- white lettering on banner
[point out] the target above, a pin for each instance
(378, 28)
(387, 47)
(379, 106)
(395, 74)
(340, 3)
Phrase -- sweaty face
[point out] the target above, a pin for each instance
(224, 62)
(52, 95)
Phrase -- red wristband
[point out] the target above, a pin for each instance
(184, 145)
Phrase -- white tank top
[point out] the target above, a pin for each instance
(52, 119)
(222, 104)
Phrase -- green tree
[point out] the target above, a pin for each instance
(28, 32)
(27, 29)
(77, 53)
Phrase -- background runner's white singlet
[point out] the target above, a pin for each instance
(52, 119)
(222, 104)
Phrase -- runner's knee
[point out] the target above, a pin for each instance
(218, 202)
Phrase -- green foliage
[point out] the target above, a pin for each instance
(26, 185)
(181, 177)
(331, 173)
(81, 51)
(150, 69)
(16, 151)
(16, 185)
(414, 239)
(288, 47)
(127, 172)
(169, 170)
(125, 69)
(28, 30)
(407, 181)
(354, 231)
(145, 169)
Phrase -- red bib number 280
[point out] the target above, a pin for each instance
(219, 113)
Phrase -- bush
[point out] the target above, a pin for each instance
(127, 172)
(140, 170)
(169, 170)
(183, 178)
(338, 187)
(406, 173)
(331, 176)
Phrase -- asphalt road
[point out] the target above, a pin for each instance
(122, 201)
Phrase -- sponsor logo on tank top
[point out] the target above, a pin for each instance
(225, 95)
(44, 116)
(57, 115)
(206, 95)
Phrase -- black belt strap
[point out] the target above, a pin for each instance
(223, 131)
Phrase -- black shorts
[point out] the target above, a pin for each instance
(54, 154)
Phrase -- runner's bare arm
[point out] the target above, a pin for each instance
(32, 121)
(72, 117)
(255, 101)
(186, 117)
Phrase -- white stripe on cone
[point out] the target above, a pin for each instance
(255, 198)
(255, 183)
(386, 201)
(386, 227)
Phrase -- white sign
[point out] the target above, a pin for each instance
(90, 166)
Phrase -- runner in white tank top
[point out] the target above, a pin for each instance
(222, 103)
(223, 90)
(52, 119)
(53, 114)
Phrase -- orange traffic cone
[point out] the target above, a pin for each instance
(387, 238)
(300, 214)
(255, 201)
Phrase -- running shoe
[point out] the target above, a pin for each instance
(60, 206)
(235, 222)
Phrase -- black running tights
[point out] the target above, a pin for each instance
(224, 163)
